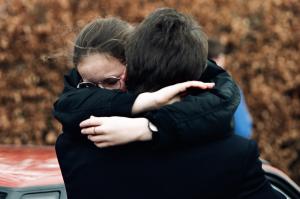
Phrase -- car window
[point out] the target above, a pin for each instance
(280, 191)
(3, 195)
(44, 195)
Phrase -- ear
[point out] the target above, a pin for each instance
(124, 75)
(123, 79)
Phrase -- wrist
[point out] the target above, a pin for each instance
(145, 134)
(144, 102)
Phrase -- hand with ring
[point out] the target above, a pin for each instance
(104, 132)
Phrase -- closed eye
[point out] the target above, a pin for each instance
(110, 81)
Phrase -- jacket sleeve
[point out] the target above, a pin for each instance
(201, 116)
(242, 119)
(254, 184)
(75, 105)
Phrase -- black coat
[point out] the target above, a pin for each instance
(193, 168)
(223, 169)
(199, 117)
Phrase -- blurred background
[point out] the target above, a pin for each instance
(261, 40)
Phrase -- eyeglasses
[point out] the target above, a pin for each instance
(111, 82)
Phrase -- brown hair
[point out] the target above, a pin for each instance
(166, 48)
(215, 48)
(102, 35)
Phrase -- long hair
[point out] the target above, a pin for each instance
(102, 35)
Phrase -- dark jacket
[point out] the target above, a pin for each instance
(224, 169)
(137, 170)
(199, 117)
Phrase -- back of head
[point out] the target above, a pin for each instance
(215, 48)
(166, 48)
(107, 35)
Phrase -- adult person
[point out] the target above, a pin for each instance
(106, 37)
(242, 119)
(191, 172)
(99, 60)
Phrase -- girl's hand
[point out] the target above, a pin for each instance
(110, 131)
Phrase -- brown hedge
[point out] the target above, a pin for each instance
(262, 39)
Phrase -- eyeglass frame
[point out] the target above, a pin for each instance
(88, 84)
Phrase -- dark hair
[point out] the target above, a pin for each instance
(166, 48)
(107, 35)
(215, 48)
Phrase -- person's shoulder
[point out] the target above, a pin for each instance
(212, 70)
(239, 146)
(240, 142)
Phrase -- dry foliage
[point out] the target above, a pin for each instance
(262, 39)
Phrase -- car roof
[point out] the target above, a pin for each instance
(27, 166)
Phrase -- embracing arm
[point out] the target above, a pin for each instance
(75, 105)
(197, 118)
(204, 116)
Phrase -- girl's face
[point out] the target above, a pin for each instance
(103, 70)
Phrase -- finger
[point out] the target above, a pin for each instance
(201, 85)
(93, 130)
(175, 89)
(88, 130)
(208, 85)
(92, 121)
(103, 144)
(98, 138)
(181, 87)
